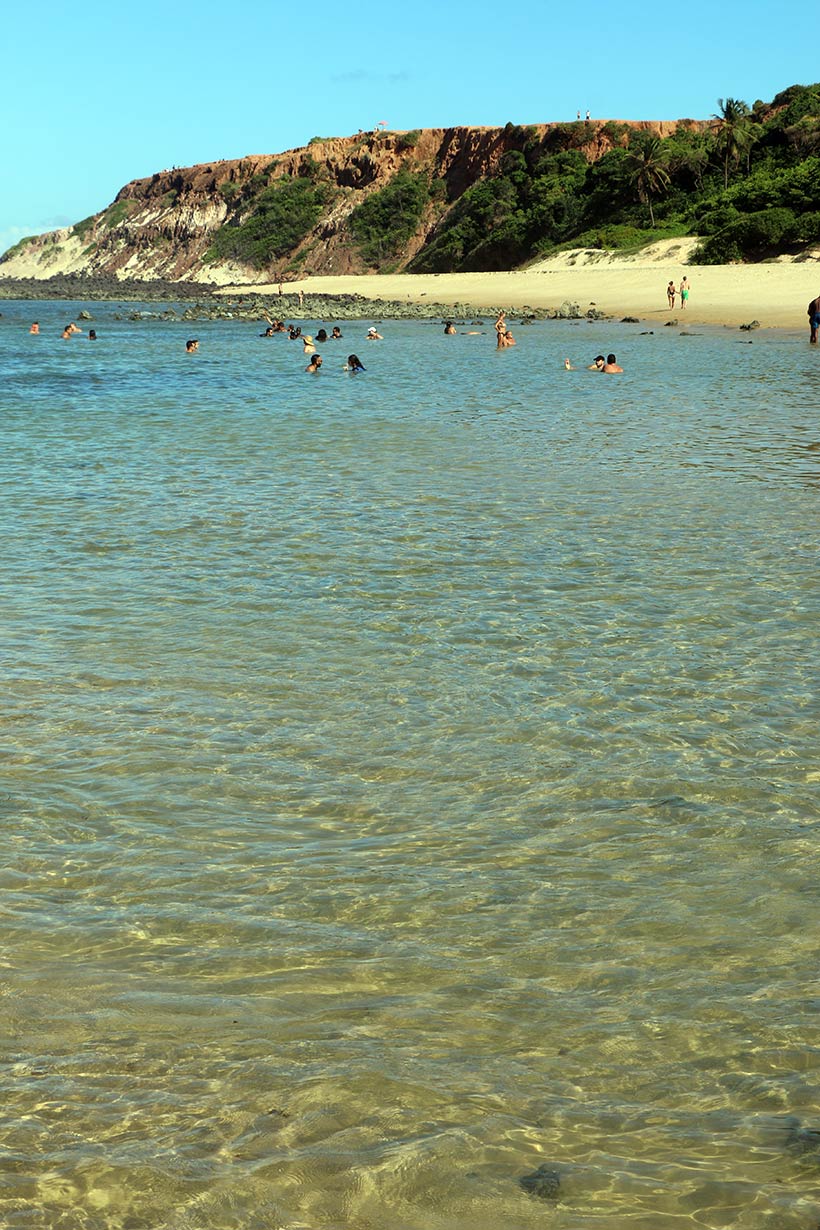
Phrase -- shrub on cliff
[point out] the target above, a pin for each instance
(388, 219)
(281, 216)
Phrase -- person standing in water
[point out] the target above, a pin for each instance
(814, 319)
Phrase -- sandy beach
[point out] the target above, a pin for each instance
(774, 294)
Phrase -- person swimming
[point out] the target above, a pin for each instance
(314, 364)
(598, 365)
(336, 334)
(307, 344)
(449, 327)
(192, 345)
(35, 328)
(321, 336)
(612, 364)
(373, 335)
(354, 364)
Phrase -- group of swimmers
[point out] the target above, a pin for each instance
(68, 332)
(599, 364)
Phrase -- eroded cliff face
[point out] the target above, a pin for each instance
(162, 227)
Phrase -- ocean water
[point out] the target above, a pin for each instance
(409, 781)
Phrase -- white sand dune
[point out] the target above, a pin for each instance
(775, 294)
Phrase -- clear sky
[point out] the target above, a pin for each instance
(98, 95)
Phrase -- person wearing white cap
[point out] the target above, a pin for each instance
(373, 335)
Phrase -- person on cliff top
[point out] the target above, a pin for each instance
(814, 319)
(670, 294)
(612, 364)
(314, 364)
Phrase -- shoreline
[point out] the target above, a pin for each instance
(593, 284)
(774, 295)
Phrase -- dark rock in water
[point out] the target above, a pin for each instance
(802, 1139)
(753, 324)
(630, 320)
(669, 324)
(545, 1183)
(647, 333)
(84, 315)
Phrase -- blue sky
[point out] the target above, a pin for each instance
(101, 95)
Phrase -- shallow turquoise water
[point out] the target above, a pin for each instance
(409, 780)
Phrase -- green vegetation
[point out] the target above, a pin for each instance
(279, 218)
(386, 221)
(18, 247)
(81, 229)
(117, 213)
(746, 182)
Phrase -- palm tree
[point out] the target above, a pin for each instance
(734, 132)
(647, 172)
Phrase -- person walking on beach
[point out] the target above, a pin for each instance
(814, 319)
(670, 294)
(684, 292)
